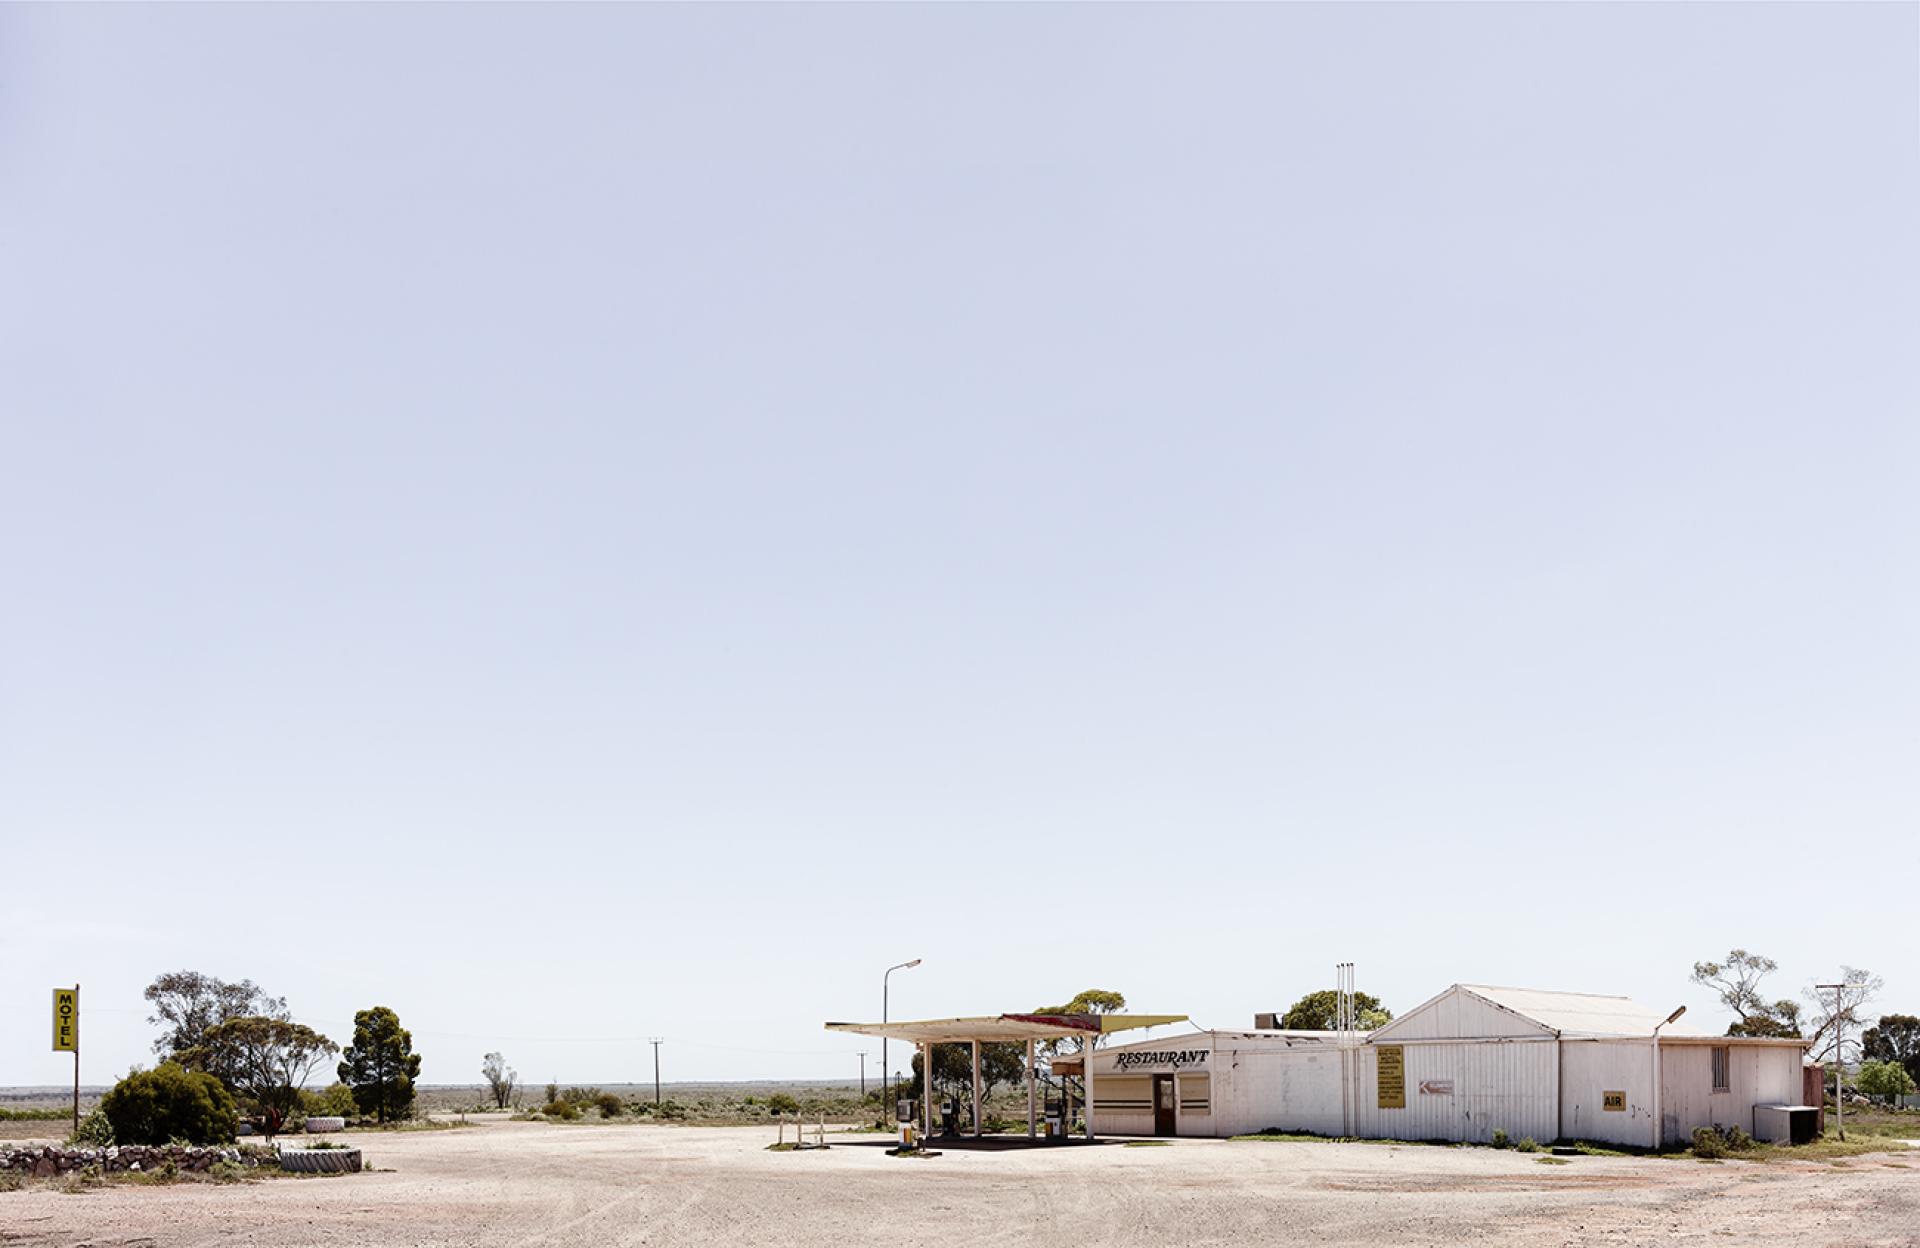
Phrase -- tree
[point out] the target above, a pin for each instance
(1089, 1001)
(264, 1061)
(169, 1103)
(1837, 1015)
(500, 1080)
(1737, 983)
(1895, 1039)
(1320, 1011)
(953, 1069)
(1888, 1079)
(188, 1004)
(380, 1066)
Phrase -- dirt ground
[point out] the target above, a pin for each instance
(533, 1185)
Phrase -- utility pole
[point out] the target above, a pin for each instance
(863, 1074)
(655, 1042)
(1839, 1062)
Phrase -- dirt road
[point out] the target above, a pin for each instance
(532, 1185)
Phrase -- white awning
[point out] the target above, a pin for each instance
(993, 1028)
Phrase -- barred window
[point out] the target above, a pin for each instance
(1722, 1060)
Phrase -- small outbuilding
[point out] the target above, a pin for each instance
(1471, 1061)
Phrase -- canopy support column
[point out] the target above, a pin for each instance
(926, 1087)
(1030, 1121)
(1086, 1065)
(976, 1089)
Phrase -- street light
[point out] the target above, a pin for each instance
(903, 966)
(1658, 1126)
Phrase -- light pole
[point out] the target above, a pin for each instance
(903, 966)
(1839, 1062)
(1658, 1126)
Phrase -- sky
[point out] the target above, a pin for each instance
(589, 523)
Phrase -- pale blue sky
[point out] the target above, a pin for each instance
(609, 521)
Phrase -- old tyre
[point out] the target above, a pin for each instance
(320, 1160)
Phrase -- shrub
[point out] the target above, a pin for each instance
(1720, 1141)
(563, 1110)
(781, 1103)
(1709, 1143)
(553, 1093)
(169, 1103)
(1500, 1139)
(333, 1101)
(95, 1131)
(608, 1104)
(1527, 1145)
(1884, 1079)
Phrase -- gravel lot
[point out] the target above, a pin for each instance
(528, 1184)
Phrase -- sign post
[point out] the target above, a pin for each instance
(66, 1037)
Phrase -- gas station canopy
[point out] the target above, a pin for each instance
(1029, 1029)
(993, 1028)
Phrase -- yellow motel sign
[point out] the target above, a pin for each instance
(66, 1020)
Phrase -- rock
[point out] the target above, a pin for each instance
(43, 1168)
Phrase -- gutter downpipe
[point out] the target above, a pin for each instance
(1659, 1127)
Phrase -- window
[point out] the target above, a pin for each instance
(1195, 1094)
(1722, 1059)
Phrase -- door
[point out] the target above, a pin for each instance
(1163, 1114)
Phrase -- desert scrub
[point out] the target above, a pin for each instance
(1713, 1143)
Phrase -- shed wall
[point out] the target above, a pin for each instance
(1591, 1068)
(1506, 1085)
(1756, 1075)
(1293, 1089)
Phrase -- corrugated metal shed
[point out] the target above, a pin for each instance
(1582, 1013)
(1485, 1010)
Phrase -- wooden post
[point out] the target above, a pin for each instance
(1031, 1128)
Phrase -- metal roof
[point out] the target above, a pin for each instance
(998, 1027)
(1581, 1013)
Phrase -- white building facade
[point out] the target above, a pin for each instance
(1472, 1061)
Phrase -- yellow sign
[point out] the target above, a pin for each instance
(66, 1020)
(1392, 1077)
(1614, 1102)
